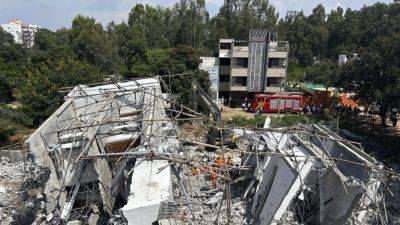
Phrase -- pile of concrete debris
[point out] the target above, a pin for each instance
(21, 199)
(118, 154)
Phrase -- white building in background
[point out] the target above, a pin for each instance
(14, 27)
(23, 34)
(342, 59)
(211, 65)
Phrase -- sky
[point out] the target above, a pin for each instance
(54, 14)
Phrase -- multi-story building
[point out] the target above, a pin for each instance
(258, 65)
(14, 27)
(23, 33)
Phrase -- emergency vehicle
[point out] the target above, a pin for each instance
(270, 103)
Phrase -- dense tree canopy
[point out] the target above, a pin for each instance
(375, 75)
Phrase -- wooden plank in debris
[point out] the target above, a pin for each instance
(119, 142)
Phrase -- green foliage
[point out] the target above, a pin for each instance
(236, 18)
(16, 115)
(5, 38)
(92, 44)
(39, 93)
(296, 73)
(374, 77)
(290, 120)
(6, 130)
(162, 41)
(326, 73)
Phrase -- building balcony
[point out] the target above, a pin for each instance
(274, 89)
(278, 46)
(225, 53)
(238, 88)
(241, 51)
(239, 72)
(277, 54)
(276, 72)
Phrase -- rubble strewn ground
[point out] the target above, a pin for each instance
(21, 183)
(11, 178)
(120, 155)
(209, 205)
(193, 131)
(22, 201)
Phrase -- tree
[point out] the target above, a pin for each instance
(375, 79)
(5, 37)
(92, 44)
(39, 93)
(148, 24)
(294, 29)
(237, 17)
(317, 32)
(326, 73)
(192, 18)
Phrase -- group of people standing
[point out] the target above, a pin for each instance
(393, 116)
(313, 109)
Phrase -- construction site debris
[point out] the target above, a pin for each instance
(116, 154)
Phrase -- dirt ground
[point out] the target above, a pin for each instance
(383, 142)
(227, 113)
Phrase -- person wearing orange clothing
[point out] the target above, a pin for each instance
(214, 177)
(229, 161)
(219, 162)
(195, 171)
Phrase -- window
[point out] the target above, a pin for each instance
(273, 62)
(239, 81)
(243, 62)
(224, 61)
(224, 78)
(225, 45)
(273, 81)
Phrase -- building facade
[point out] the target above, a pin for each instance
(23, 34)
(258, 65)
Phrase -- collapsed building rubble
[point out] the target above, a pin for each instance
(307, 178)
(107, 119)
(20, 187)
(125, 153)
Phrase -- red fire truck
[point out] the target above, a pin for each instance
(270, 103)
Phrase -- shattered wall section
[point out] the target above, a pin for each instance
(77, 129)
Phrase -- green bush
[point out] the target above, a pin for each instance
(290, 120)
(16, 115)
(6, 130)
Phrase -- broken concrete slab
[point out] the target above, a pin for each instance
(148, 189)
(302, 165)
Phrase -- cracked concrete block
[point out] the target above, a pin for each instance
(49, 217)
(74, 222)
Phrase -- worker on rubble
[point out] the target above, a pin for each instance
(214, 181)
(241, 154)
(229, 160)
(219, 162)
(195, 171)
(234, 137)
